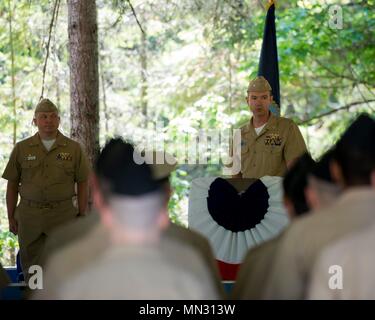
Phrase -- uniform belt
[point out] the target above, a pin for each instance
(44, 204)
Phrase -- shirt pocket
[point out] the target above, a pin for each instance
(65, 171)
(272, 158)
(272, 150)
(30, 170)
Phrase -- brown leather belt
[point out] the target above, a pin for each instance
(44, 205)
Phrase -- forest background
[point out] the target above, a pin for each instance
(183, 68)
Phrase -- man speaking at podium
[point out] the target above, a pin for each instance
(269, 144)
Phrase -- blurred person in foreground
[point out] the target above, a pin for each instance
(345, 268)
(255, 267)
(351, 167)
(162, 165)
(137, 262)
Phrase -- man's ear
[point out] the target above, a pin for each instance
(248, 100)
(163, 220)
(98, 198)
(373, 178)
(168, 192)
(312, 198)
(34, 121)
(99, 201)
(289, 207)
(336, 173)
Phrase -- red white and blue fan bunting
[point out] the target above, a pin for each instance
(235, 222)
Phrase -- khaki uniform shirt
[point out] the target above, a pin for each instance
(307, 236)
(158, 271)
(200, 245)
(352, 260)
(143, 271)
(68, 233)
(267, 154)
(76, 245)
(254, 271)
(43, 175)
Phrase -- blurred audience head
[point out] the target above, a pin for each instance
(162, 165)
(126, 194)
(354, 154)
(294, 184)
(321, 188)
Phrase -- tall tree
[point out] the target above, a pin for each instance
(84, 74)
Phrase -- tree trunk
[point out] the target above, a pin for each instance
(84, 75)
(56, 60)
(105, 107)
(102, 81)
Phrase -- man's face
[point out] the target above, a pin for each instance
(259, 103)
(47, 122)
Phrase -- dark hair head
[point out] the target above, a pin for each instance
(321, 169)
(116, 168)
(295, 182)
(355, 151)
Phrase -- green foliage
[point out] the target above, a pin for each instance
(8, 247)
(199, 57)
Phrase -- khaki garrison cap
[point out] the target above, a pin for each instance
(259, 84)
(162, 164)
(45, 105)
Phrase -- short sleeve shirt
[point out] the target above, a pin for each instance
(267, 154)
(47, 175)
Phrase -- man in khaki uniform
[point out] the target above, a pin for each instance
(44, 169)
(269, 144)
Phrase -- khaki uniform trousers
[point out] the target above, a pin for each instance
(35, 221)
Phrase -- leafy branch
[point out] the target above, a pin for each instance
(345, 107)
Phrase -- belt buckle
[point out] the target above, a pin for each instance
(46, 206)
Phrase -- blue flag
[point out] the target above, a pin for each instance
(268, 61)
